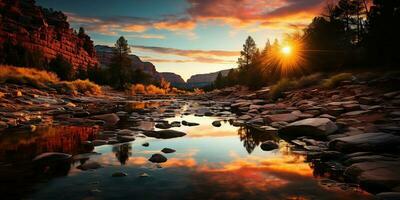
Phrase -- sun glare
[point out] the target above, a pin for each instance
(286, 50)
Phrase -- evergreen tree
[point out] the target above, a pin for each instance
(248, 52)
(120, 68)
(219, 81)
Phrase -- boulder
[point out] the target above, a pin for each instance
(316, 127)
(163, 126)
(375, 176)
(269, 145)
(109, 119)
(157, 158)
(52, 157)
(366, 142)
(287, 117)
(216, 123)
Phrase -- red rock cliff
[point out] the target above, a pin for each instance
(45, 30)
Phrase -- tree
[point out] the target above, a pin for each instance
(62, 68)
(248, 52)
(219, 82)
(120, 68)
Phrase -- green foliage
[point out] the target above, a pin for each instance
(282, 86)
(334, 81)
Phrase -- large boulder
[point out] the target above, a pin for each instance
(316, 127)
(375, 176)
(366, 142)
(286, 117)
(109, 119)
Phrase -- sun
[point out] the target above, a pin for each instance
(286, 50)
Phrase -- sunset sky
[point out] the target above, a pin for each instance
(187, 36)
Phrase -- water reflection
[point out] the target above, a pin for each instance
(123, 152)
(252, 138)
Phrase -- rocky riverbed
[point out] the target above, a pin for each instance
(350, 134)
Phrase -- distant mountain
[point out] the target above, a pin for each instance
(175, 79)
(104, 55)
(201, 80)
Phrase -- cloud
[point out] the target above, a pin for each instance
(188, 53)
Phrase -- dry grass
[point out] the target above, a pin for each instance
(85, 86)
(146, 90)
(27, 76)
(280, 88)
(137, 89)
(43, 79)
(154, 90)
(334, 81)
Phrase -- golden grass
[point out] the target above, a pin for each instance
(280, 87)
(136, 89)
(334, 81)
(85, 86)
(28, 76)
(43, 79)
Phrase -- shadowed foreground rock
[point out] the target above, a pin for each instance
(316, 127)
(157, 158)
(366, 142)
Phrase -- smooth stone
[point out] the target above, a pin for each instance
(163, 126)
(216, 123)
(164, 134)
(146, 144)
(119, 174)
(269, 145)
(125, 138)
(52, 156)
(245, 117)
(110, 119)
(185, 123)
(366, 142)
(157, 158)
(317, 127)
(175, 124)
(90, 165)
(168, 150)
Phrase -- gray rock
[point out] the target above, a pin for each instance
(366, 142)
(287, 117)
(316, 127)
(269, 145)
(157, 158)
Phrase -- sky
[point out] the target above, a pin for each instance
(187, 37)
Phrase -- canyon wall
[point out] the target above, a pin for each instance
(44, 30)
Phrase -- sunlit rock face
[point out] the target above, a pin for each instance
(46, 31)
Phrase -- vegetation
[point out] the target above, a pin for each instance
(336, 79)
(43, 79)
(165, 88)
(349, 35)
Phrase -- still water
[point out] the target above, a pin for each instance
(209, 163)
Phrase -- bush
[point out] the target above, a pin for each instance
(84, 86)
(336, 79)
(137, 89)
(307, 81)
(152, 90)
(279, 88)
(29, 76)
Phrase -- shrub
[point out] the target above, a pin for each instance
(198, 91)
(309, 80)
(29, 76)
(280, 87)
(137, 89)
(152, 90)
(334, 81)
(84, 86)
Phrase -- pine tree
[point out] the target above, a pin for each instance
(248, 52)
(120, 69)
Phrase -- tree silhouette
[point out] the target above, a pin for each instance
(120, 68)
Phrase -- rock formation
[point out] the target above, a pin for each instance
(201, 80)
(175, 79)
(43, 30)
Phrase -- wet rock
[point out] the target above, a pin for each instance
(168, 150)
(125, 132)
(238, 123)
(316, 127)
(185, 123)
(175, 124)
(376, 176)
(163, 126)
(90, 165)
(125, 138)
(388, 196)
(164, 134)
(328, 116)
(3, 125)
(52, 157)
(109, 119)
(157, 158)
(144, 175)
(99, 142)
(355, 113)
(216, 123)
(269, 145)
(279, 125)
(146, 144)
(366, 142)
(119, 174)
(287, 117)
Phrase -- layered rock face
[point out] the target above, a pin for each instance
(201, 80)
(175, 79)
(105, 53)
(44, 30)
